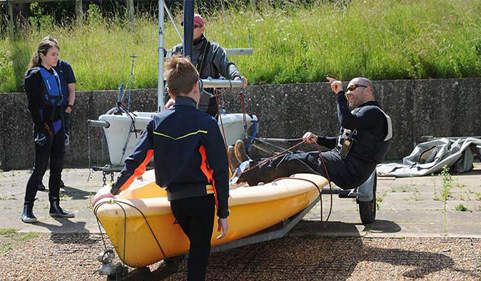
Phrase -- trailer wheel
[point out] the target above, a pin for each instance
(367, 210)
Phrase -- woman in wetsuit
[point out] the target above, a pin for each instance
(44, 96)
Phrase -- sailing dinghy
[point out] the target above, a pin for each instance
(142, 229)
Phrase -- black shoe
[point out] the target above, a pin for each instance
(41, 187)
(57, 212)
(27, 215)
(62, 185)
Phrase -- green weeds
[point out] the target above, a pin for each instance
(379, 201)
(27, 236)
(416, 196)
(9, 238)
(445, 194)
(478, 196)
(461, 208)
(411, 187)
(435, 190)
(448, 184)
(7, 231)
(380, 39)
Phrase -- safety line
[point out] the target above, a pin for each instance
(125, 225)
(323, 164)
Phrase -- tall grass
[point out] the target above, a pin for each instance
(380, 39)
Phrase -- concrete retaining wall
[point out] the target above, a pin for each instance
(435, 107)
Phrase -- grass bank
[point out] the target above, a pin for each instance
(380, 39)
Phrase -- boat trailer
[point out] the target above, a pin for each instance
(170, 266)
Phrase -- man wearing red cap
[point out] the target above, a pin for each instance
(211, 60)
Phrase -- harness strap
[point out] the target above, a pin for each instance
(53, 85)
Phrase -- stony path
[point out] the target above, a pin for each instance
(415, 236)
(71, 257)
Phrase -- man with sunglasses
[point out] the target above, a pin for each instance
(210, 60)
(363, 142)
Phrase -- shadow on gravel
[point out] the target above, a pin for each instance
(424, 262)
(75, 238)
(307, 254)
(76, 194)
(72, 227)
(336, 228)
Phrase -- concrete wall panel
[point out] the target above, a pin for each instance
(434, 107)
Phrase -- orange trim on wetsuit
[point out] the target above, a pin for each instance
(208, 172)
(140, 170)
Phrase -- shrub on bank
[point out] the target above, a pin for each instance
(379, 39)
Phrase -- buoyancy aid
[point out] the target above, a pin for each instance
(363, 144)
(53, 97)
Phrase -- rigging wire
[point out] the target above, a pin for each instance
(325, 170)
(131, 79)
(228, 30)
(124, 58)
(173, 22)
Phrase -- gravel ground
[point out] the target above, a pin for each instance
(72, 257)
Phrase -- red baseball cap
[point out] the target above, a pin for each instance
(198, 20)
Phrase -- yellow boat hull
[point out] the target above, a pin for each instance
(141, 227)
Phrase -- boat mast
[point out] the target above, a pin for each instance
(188, 28)
(188, 49)
(160, 71)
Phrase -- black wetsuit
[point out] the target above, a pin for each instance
(46, 118)
(211, 60)
(367, 151)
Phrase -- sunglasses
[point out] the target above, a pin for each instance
(198, 26)
(355, 86)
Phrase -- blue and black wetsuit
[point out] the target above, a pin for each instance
(370, 127)
(44, 98)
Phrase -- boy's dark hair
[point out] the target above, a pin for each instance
(180, 75)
